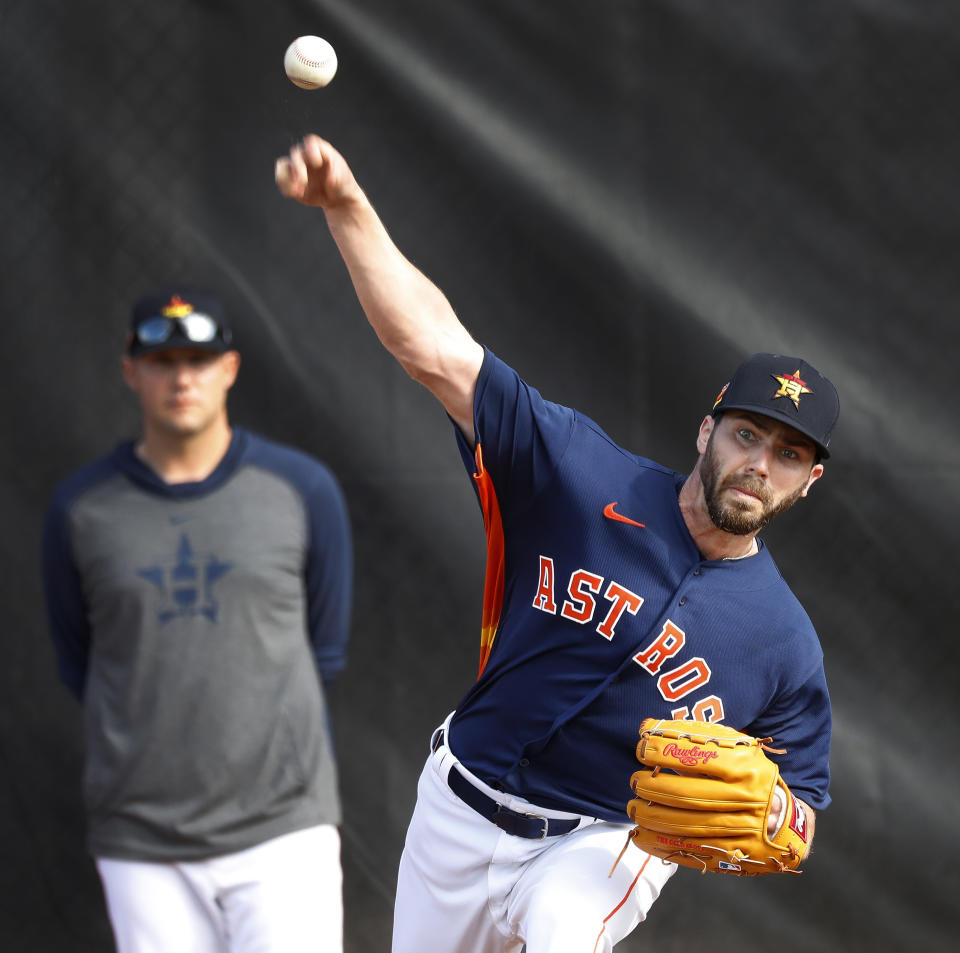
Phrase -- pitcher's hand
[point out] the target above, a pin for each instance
(315, 174)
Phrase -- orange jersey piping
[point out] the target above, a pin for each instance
(493, 582)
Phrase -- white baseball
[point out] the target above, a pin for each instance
(310, 62)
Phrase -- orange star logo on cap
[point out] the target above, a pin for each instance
(177, 308)
(791, 386)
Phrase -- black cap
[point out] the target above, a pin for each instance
(787, 389)
(179, 303)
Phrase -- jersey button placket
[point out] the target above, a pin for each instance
(696, 572)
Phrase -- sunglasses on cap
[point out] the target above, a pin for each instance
(198, 328)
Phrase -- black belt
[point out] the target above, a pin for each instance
(531, 826)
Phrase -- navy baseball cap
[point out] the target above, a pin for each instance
(787, 389)
(178, 317)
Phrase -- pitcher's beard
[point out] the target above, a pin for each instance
(735, 517)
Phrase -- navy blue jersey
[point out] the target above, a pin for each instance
(599, 611)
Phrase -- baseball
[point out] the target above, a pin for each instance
(310, 62)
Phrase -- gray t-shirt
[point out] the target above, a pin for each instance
(193, 621)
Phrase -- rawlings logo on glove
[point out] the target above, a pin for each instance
(705, 797)
(692, 755)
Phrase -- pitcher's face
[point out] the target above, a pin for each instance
(752, 468)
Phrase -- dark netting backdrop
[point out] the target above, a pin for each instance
(622, 198)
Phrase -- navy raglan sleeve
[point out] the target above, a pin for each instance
(63, 594)
(329, 574)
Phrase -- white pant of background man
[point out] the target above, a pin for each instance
(282, 896)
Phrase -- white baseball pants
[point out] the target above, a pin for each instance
(465, 886)
(282, 896)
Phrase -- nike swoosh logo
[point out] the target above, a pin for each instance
(612, 514)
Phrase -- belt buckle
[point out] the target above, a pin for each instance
(546, 825)
(502, 815)
(543, 821)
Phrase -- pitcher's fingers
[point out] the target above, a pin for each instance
(291, 173)
(283, 175)
(312, 151)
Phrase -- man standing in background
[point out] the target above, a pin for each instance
(198, 584)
